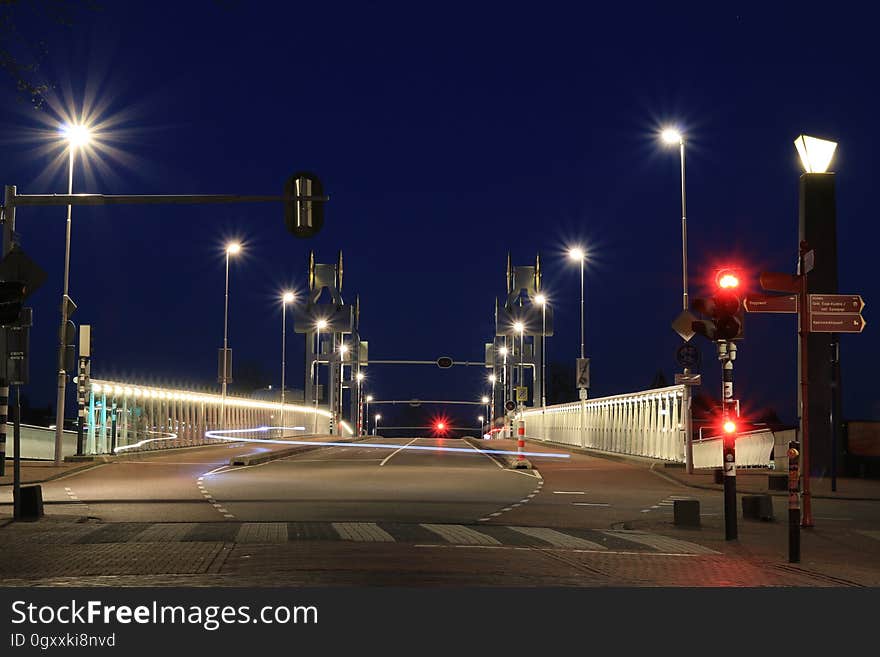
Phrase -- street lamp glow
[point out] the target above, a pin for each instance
(540, 299)
(815, 153)
(76, 134)
(233, 248)
(492, 379)
(343, 349)
(288, 297)
(322, 324)
(484, 399)
(378, 417)
(519, 327)
(502, 351)
(576, 253)
(360, 376)
(480, 418)
(369, 398)
(671, 136)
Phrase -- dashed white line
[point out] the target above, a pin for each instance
(590, 504)
(569, 492)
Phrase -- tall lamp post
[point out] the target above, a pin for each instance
(368, 398)
(343, 352)
(541, 299)
(520, 328)
(485, 400)
(286, 299)
(76, 136)
(233, 248)
(672, 136)
(579, 255)
(360, 404)
(491, 414)
(319, 326)
(376, 424)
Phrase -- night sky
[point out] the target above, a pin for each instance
(447, 135)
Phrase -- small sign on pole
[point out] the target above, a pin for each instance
(583, 373)
(522, 394)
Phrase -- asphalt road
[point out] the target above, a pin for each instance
(357, 514)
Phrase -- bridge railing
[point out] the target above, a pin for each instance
(651, 423)
(122, 416)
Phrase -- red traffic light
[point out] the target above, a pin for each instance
(729, 426)
(727, 279)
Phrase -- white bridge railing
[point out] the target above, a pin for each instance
(652, 423)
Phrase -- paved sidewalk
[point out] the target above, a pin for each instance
(35, 472)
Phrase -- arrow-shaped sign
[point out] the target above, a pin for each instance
(836, 323)
(762, 303)
(836, 303)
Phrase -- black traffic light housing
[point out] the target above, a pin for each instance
(725, 308)
(12, 294)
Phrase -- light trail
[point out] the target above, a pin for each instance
(165, 436)
(312, 443)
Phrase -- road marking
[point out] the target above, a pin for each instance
(558, 539)
(163, 532)
(461, 535)
(362, 531)
(488, 456)
(870, 533)
(659, 542)
(570, 492)
(590, 504)
(390, 456)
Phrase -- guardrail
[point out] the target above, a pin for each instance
(650, 423)
(753, 449)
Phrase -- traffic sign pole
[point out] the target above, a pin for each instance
(804, 321)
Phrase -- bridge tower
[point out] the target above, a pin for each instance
(332, 341)
(518, 358)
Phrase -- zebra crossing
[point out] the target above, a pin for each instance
(592, 540)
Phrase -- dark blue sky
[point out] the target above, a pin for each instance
(447, 135)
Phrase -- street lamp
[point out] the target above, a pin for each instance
(360, 420)
(233, 248)
(319, 326)
(541, 299)
(503, 352)
(76, 136)
(369, 398)
(579, 255)
(376, 424)
(286, 299)
(485, 400)
(520, 328)
(337, 412)
(672, 136)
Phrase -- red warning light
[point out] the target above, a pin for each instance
(440, 426)
(729, 426)
(727, 279)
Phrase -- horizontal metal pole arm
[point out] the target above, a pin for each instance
(373, 361)
(25, 200)
(424, 401)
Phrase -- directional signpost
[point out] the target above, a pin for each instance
(762, 303)
(836, 313)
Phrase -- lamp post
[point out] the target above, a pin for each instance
(579, 255)
(369, 398)
(76, 136)
(491, 410)
(343, 350)
(503, 352)
(286, 299)
(321, 324)
(360, 419)
(233, 248)
(520, 328)
(376, 424)
(672, 136)
(541, 299)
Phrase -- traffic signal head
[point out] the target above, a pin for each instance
(725, 308)
(12, 295)
(304, 204)
(729, 426)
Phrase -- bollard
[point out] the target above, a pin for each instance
(794, 506)
(520, 441)
(686, 513)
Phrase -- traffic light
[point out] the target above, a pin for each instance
(12, 295)
(304, 208)
(725, 308)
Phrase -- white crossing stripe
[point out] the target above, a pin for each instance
(870, 533)
(659, 542)
(461, 535)
(163, 532)
(362, 531)
(558, 539)
(262, 532)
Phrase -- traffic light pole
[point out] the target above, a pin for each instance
(727, 354)
(804, 318)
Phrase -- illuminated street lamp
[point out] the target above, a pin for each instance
(577, 254)
(77, 136)
(376, 424)
(359, 377)
(520, 328)
(233, 248)
(287, 298)
(503, 352)
(815, 154)
(541, 299)
(320, 325)
(672, 136)
(369, 398)
(485, 400)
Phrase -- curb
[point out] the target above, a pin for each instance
(653, 466)
(257, 459)
(59, 475)
(508, 462)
